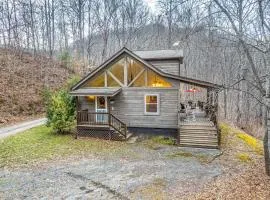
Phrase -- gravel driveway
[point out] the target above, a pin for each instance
(17, 128)
(133, 177)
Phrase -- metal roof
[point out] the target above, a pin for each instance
(160, 54)
(96, 91)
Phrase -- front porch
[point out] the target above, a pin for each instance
(101, 125)
(94, 117)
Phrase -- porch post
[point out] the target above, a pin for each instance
(215, 93)
(208, 101)
(77, 120)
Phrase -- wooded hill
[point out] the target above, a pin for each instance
(23, 80)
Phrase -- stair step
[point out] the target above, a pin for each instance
(198, 145)
(199, 142)
(198, 125)
(198, 131)
(199, 136)
(197, 128)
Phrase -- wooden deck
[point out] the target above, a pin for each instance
(197, 130)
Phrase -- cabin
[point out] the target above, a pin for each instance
(145, 92)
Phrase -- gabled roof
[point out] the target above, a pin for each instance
(160, 54)
(147, 64)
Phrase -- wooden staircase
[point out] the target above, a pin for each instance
(198, 135)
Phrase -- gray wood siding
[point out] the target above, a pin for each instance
(167, 66)
(129, 107)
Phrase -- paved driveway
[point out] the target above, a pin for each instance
(12, 130)
(151, 174)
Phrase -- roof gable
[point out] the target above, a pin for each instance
(147, 64)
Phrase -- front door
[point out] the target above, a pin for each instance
(101, 107)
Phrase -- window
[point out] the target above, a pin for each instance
(151, 104)
(117, 69)
(111, 82)
(133, 69)
(139, 82)
(97, 81)
(154, 80)
(128, 72)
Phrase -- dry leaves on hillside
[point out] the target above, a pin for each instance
(23, 79)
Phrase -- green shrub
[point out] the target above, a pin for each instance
(46, 94)
(61, 111)
(72, 81)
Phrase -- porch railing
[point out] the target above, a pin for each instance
(85, 118)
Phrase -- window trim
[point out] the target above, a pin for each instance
(158, 104)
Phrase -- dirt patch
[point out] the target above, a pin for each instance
(243, 175)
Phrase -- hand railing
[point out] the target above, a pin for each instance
(118, 125)
(92, 118)
(99, 118)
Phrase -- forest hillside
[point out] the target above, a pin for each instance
(24, 78)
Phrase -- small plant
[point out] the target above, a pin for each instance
(243, 157)
(252, 142)
(61, 111)
(163, 140)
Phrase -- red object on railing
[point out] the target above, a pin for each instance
(192, 90)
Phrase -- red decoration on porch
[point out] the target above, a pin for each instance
(192, 90)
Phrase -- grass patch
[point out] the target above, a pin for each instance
(243, 157)
(225, 129)
(158, 142)
(252, 142)
(180, 154)
(226, 134)
(41, 144)
(163, 140)
(183, 154)
(230, 136)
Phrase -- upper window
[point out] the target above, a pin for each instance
(154, 80)
(127, 72)
(134, 69)
(140, 81)
(151, 104)
(96, 81)
(117, 70)
(111, 82)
